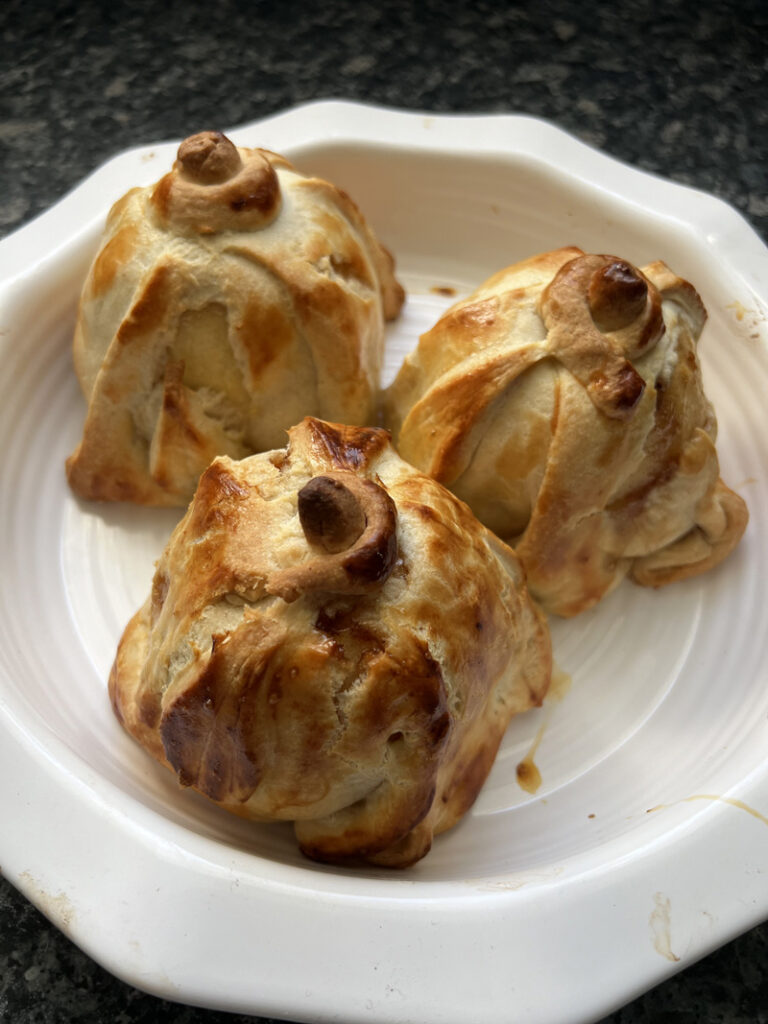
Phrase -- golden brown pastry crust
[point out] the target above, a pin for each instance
(226, 302)
(345, 654)
(563, 402)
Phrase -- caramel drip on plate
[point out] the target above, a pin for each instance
(712, 796)
(528, 775)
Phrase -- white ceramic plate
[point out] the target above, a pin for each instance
(646, 843)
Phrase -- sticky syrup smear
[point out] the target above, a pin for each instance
(753, 317)
(738, 310)
(559, 686)
(528, 774)
(660, 918)
(711, 796)
(660, 927)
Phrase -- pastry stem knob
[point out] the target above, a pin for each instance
(353, 521)
(209, 158)
(617, 296)
(331, 516)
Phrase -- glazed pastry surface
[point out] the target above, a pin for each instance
(563, 401)
(332, 639)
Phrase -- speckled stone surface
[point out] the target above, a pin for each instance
(677, 88)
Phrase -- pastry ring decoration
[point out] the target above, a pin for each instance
(216, 187)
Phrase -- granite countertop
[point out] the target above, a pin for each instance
(674, 88)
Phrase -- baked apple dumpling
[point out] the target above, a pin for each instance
(563, 401)
(332, 639)
(226, 302)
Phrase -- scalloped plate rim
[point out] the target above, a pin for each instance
(500, 914)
